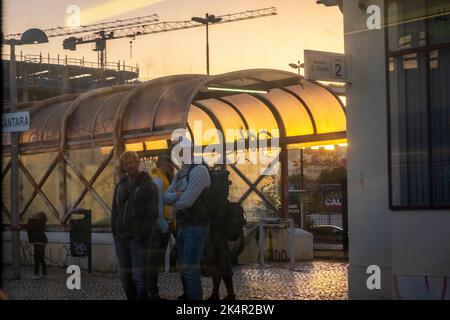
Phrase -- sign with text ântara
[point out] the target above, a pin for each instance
(16, 121)
(326, 66)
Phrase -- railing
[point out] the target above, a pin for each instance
(39, 58)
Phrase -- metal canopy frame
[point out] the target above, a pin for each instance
(118, 115)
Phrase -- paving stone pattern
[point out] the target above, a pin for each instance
(317, 280)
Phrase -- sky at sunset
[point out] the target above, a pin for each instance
(269, 42)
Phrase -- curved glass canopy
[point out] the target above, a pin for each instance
(70, 154)
(302, 111)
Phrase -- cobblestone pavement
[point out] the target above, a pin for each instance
(317, 280)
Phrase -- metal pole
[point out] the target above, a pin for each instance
(292, 242)
(131, 49)
(302, 188)
(207, 47)
(261, 244)
(102, 60)
(302, 182)
(284, 182)
(15, 235)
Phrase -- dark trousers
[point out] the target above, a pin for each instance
(158, 246)
(132, 256)
(39, 259)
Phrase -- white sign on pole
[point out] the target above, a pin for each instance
(326, 66)
(16, 121)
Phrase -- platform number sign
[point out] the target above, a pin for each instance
(338, 68)
(327, 66)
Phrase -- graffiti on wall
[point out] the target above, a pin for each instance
(58, 255)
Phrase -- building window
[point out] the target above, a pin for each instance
(419, 102)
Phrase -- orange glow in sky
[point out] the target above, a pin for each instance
(269, 42)
(111, 9)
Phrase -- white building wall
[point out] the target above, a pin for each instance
(411, 247)
(368, 201)
(421, 254)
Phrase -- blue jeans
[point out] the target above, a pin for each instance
(132, 256)
(189, 245)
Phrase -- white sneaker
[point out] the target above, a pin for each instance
(35, 277)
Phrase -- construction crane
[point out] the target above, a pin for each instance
(65, 31)
(100, 38)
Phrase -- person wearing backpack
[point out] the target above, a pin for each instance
(134, 211)
(192, 219)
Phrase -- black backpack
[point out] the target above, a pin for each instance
(217, 197)
(228, 216)
(234, 221)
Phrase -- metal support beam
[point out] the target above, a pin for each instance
(254, 185)
(6, 211)
(39, 191)
(62, 185)
(6, 169)
(218, 126)
(91, 181)
(315, 137)
(239, 113)
(284, 182)
(39, 185)
(259, 193)
(83, 180)
(303, 103)
(283, 155)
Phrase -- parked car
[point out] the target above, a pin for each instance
(327, 237)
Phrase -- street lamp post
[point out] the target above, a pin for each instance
(206, 21)
(297, 66)
(31, 36)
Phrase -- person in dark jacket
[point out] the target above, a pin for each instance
(36, 235)
(134, 211)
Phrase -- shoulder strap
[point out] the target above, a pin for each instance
(192, 166)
